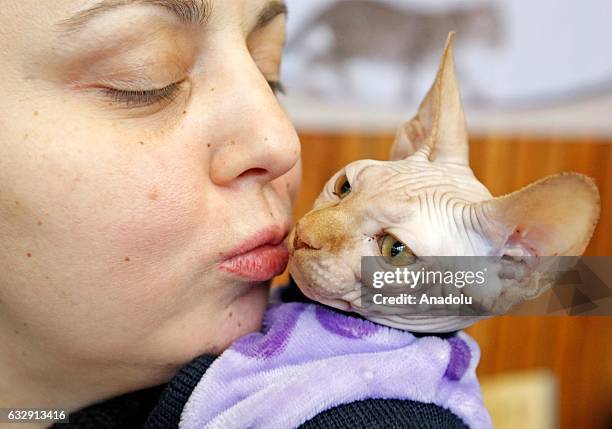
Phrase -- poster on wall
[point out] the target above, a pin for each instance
(370, 61)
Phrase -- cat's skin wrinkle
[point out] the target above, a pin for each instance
(428, 197)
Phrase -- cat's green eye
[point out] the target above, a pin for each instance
(396, 250)
(342, 187)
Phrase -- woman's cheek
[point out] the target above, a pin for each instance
(115, 203)
(156, 211)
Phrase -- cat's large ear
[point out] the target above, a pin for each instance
(554, 216)
(438, 130)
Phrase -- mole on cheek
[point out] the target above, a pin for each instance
(29, 255)
(154, 194)
(35, 113)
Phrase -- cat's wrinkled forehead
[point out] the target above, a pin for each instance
(410, 178)
(369, 171)
(366, 173)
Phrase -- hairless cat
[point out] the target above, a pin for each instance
(427, 201)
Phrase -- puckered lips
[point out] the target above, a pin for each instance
(260, 257)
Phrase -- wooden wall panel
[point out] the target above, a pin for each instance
(576, 349)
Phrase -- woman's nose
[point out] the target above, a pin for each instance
(259, 144)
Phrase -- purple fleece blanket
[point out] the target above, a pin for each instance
(309, 359)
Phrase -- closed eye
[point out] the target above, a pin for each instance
(277, 87)
(140, 98)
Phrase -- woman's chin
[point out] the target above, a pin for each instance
(245, 314)
(209, 329)
(241, 316)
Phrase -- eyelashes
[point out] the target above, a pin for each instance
(277, 87)
(167, 94)
(140, 98)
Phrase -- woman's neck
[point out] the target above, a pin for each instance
(32, 377)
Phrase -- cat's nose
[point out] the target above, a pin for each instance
(299, 242)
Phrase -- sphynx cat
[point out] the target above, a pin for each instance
(427, 201)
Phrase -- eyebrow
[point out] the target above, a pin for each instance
(187, 11)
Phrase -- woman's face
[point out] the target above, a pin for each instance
(141, 145)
